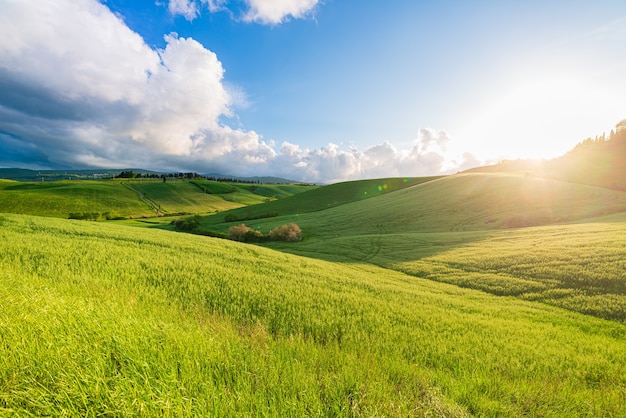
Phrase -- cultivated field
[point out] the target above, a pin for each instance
(461, 230)
(132, 198)
(106, 319)
(470, 295)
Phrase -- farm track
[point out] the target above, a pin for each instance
(376, 243)
(155, 207)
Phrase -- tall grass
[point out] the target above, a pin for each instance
(580, 266)
(106, 319)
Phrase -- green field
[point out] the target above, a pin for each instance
(60, 198)
(469, 295)
(106, 319)
(178, 196)
(461, 230)
(322, 198)
(136, 198)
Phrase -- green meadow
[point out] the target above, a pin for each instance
(60, 198)
(469, 295)
(465, 230)
(133, 198)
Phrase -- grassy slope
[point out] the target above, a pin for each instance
(60, 198)
(322, 198)
(159, 323)
(176, 196)
(454, 230)
(250, 194)
(455, 203)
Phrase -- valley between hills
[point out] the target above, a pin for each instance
(495, 292)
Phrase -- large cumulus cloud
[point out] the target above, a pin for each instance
(78, 88)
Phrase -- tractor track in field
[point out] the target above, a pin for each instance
(156, 208)
(376, 243)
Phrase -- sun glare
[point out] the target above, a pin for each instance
(540, 118)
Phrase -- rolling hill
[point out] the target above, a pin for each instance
(322, 198)
(105, 319)
(462, 202)
(493, 293)
(598, 162)
(132, 198)
(411, 230)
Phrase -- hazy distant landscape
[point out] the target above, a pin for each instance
(495, 292)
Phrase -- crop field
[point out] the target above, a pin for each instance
(454, 230)
(60, 198)
(579, 267)
(117, 198)
(322, 198)
(176, 196)
(424, 298)
(105, 319)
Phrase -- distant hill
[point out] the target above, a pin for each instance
(599, 161)
(125, 198)
(21, 174)
(253, 179)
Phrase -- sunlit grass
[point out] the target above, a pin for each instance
(104, 319)
(176, 196)
(320, 199)
(60, 198)
(455, 230)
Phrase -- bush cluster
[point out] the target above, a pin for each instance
(190, 224)
(289, 233)
(243, 233)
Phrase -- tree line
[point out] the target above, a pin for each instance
(130, 174)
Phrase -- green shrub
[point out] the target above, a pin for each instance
(187, 224)
(243, 233)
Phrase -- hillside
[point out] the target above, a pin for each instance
(153, 322)
(61, 198)
(478, 217)
(463, 202)
(131, 198)
(598, 162)
(321, 198)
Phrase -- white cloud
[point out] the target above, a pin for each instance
(75, 60)
(270, 12)
(186, 8)
(277, 11)
(74, 48)
(78, 88)
(215, 5)
(331, 163)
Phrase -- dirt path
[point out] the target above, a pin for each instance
(145, 200)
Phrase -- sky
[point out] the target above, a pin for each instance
(311, 90)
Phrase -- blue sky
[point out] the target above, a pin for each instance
(314, 90)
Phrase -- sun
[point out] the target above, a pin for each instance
(541, 117)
